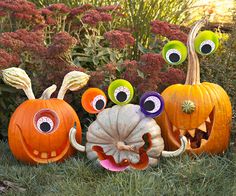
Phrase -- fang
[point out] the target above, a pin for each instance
(202, 127)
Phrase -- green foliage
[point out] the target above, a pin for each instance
(91, 53)
(205, 175)
(141, 12)
(8, 103)
(220, 67)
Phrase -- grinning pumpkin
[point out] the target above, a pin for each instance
(200, 111)
(38, 129)
(122, 136)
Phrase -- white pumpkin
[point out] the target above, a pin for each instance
(119, 130)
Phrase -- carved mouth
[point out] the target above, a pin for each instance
(44, 157)
(199, 136)
(109, 163)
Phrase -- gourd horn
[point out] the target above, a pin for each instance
(176, 153)
(72, 138)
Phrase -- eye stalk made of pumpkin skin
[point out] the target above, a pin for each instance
(200, 111)
(38, 132)
(125, 135)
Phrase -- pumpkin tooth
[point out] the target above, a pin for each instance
(53, 154)
(203, 141)
(44, 155)
(36, 152)
(182, 132)
(189, 144)
(202, 127)
(175, 128)
(192, 132)
(208, 120)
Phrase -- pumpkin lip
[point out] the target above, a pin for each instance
(125, 163)
(197, 137)
(43, 157)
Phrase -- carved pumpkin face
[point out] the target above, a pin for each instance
(207, 128)
(38, 131)
(39, 128)
(200, 111)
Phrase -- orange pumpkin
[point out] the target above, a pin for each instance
(38, 131)
(200, 111)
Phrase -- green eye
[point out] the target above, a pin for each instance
(174, 52)
(120, 92)
(206, 42)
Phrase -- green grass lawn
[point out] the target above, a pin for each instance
(205, 175)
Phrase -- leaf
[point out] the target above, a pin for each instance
(143, 49)
(84, 59)
(6, 185)
(140, 74)
(95, 60)
(102, 53)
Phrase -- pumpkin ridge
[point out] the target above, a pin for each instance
(106, 114)
(105, 129)
(91, 134)
(141, 118)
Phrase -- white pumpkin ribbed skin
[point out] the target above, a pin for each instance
(127, 124)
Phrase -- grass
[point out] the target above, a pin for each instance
(205, 175)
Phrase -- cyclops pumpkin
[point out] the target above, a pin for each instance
(200, 111)
(39, 128)
(122, 136)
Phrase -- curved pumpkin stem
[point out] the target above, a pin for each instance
(193, 74)
(72, 138)
(182, 148)
(48, 92)
(18, 78)
(72, 81)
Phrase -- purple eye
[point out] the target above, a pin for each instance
(151, 104)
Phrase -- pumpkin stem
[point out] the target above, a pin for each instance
(122, 146)
(182, 148)
(18, 78)
(193, 74)
(73, 81)
(48, 92)
(74, 143)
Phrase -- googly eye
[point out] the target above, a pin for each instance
(99, 102)
(174, 52)
(120, 92)
(206, 43)
(94, 100)
(151, 104)
(45, 124)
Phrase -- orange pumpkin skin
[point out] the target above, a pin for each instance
(211, 101)
(29, 144)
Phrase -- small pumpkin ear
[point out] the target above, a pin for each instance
(151, 104)
(94, 100)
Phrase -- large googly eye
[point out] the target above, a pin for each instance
(174, 52)
(120, 92)
(46, 120)
(206, 42)
(151, 104)
(94, 100)
(45, 124)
